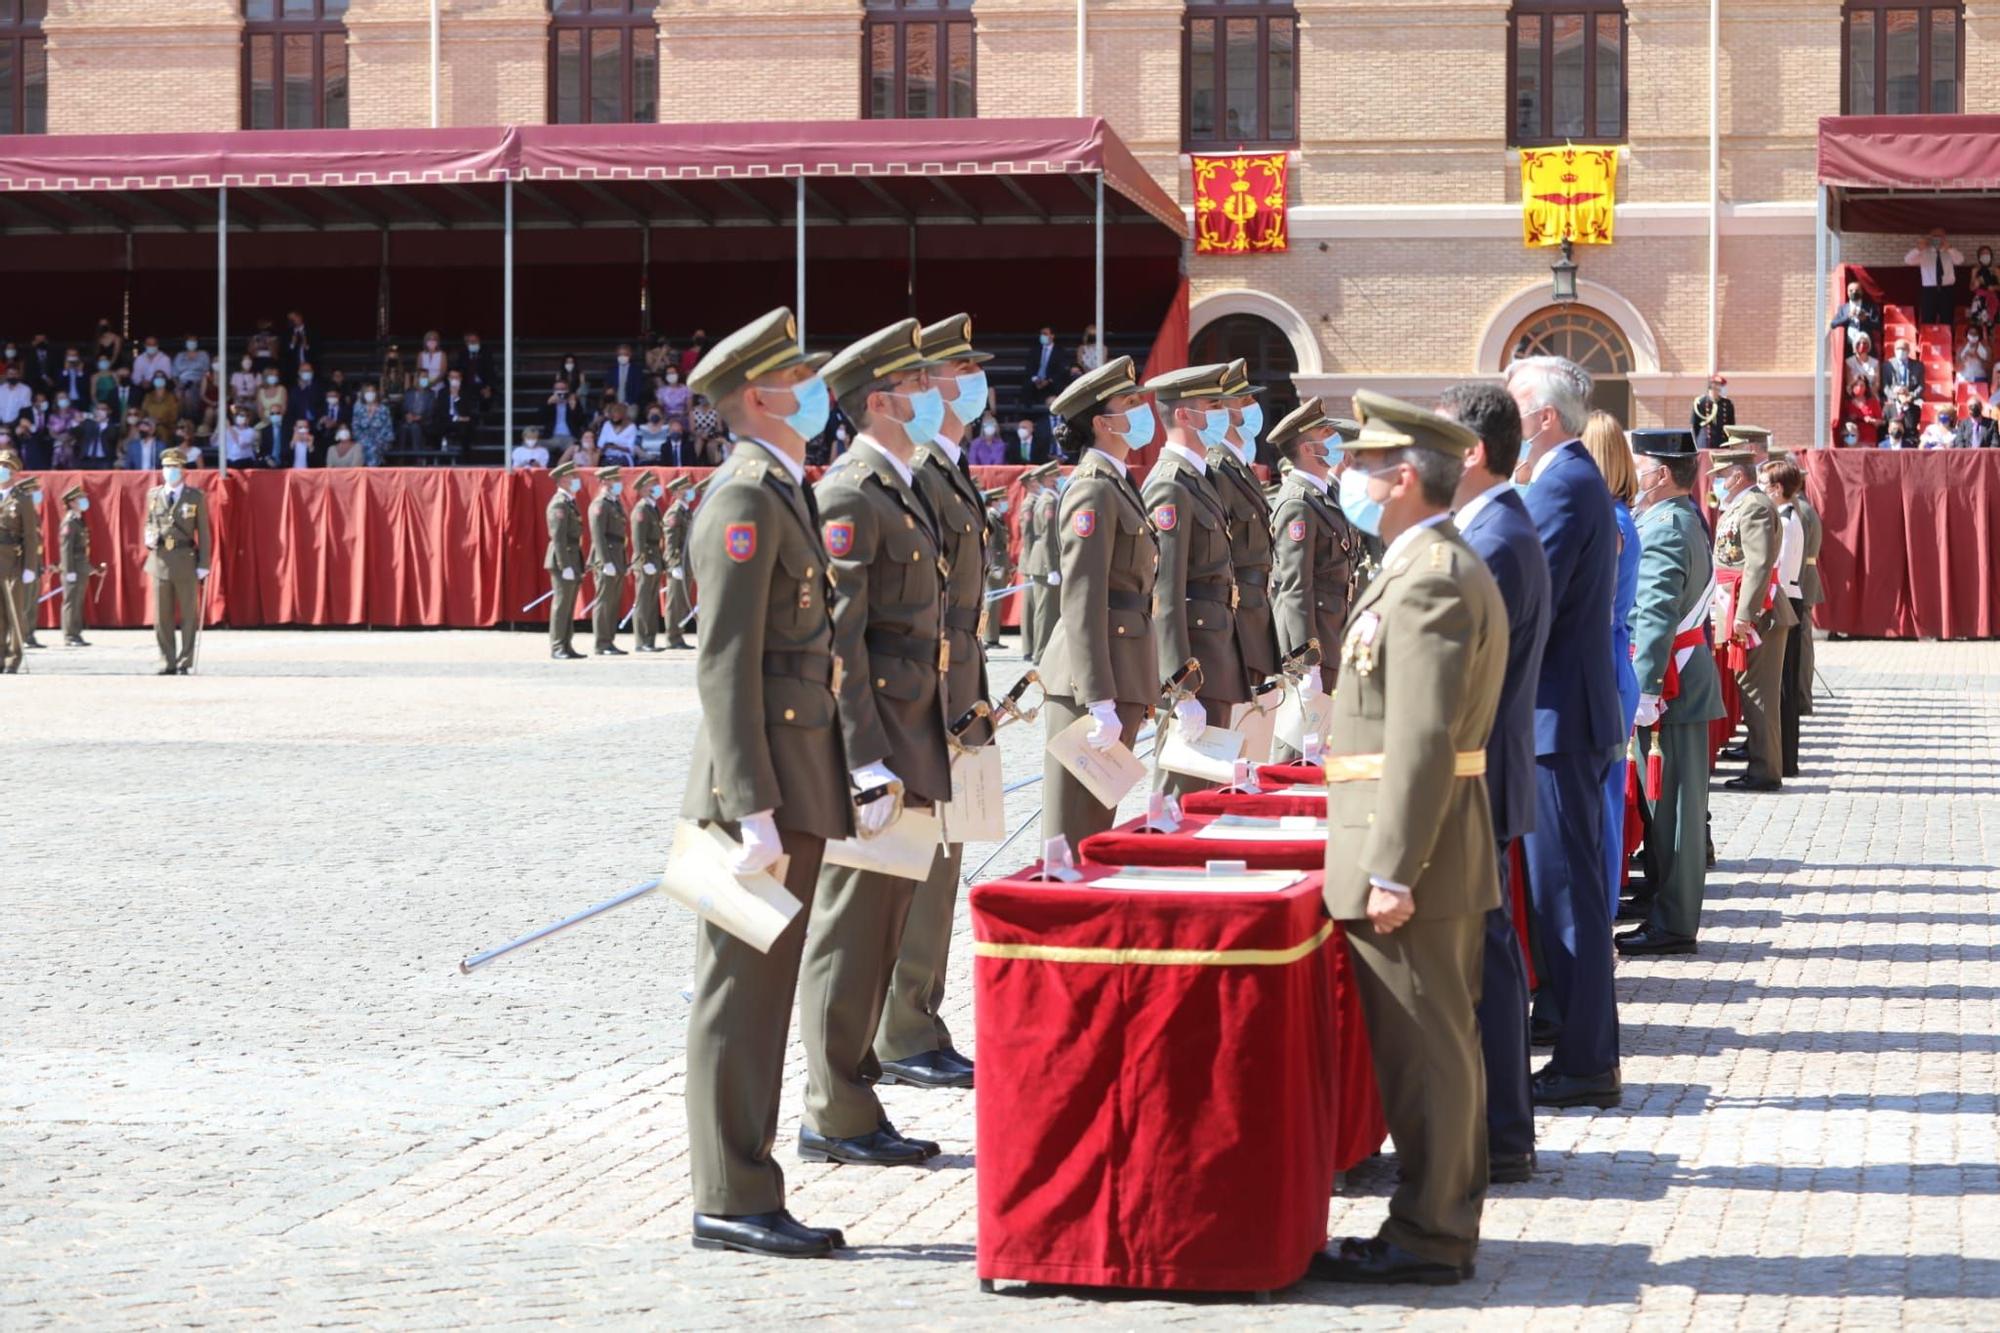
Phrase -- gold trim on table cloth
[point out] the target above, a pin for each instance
(1061, 953)
(1368, 767)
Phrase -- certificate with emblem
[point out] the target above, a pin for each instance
(1106, 774)
(976, 811)
(1211, 756)
(1301, 715)
(1251, 828)
(1257, 724)
(755, 908)
(904, 850)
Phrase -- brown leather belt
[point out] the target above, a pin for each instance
(963, 618)
(815, 667)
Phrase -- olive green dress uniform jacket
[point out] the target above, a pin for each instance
(676, 524)
(1049, 538)
(182, 543)
(1314, 560)
(565, 551)
(1102, 645)
(1195, 594)
(1748, 537)
(966, 536)
(20, 551)
(1250, 540)
(75, 560)
(648, 548)
(610, 544)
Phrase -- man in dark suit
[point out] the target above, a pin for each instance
(474, 362)
(39, 365)
(1044, 367)
(456, 414)
(1903, 388)
(98, 439)
(1860, 316)
(71, 378)
(626, 379)
(1576, 733)
(1495, 523)
(297, 349)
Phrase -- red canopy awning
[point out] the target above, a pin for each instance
(1912, 173)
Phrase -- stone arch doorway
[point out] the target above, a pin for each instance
(1267, 350)
(1591, 340)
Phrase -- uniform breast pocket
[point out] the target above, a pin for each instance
(910, 572)
(901, 678)
(791, 702)
(798, 594)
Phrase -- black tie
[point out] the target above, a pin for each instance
(1937, 268)
(812, 506)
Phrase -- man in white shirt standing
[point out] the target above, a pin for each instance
(1937, 271)
(1783, 481)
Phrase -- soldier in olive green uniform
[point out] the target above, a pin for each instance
(998, 565)
(1034, 561)
(178, 543)
(610, 556)
(888, 620)
(649, 560)
(20, 559)
(768, 768)
(1315, 551)
(76, 569)
(1048, 507)
(1249, 524)
(1747, 537)
(1410, 865)
(1679, 692)
(1099, 659)
(912, 1043)
(564, 559)
(678, 521)
(1195, 596)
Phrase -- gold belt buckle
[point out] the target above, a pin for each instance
(170, 541)
(944, 655)
(839, 674)
(1235, 595)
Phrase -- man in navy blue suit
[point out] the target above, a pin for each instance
(1494, 522)
(1576, 732)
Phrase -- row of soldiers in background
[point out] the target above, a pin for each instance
(645, 545)
(22, 563)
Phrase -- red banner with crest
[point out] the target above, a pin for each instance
(1239, 204)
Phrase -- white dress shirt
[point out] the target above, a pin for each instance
(793, 468)
(1928, 262)
(1118, 463)
(1791, 553)
(1197, 461)
(865, 440)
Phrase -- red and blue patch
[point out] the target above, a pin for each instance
(1085, 522)
(839, 540)
(1165, 517)
(1296, 530)
(740, 541)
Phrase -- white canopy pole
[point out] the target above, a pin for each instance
(221, 362)
(1100, 268)
(799, 252)
(507, 332)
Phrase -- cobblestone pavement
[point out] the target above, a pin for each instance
(240, 1079)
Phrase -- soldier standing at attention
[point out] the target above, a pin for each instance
(649, 557)
(1410, 868)
(998, 565)
(912, 1043)
(177, 552)
(28, 594)
(1679, 692)
(679, 519)
(564, 559)
(768, 769)
(1747, 538)
(1034, 562)
(1249, 524)
(1314, 553)
(1048, 526)
(888, 628)
(20, 559)
(1099, 658)
(75, 565)
(1195, 594)
(1712, 416)
(610, 532)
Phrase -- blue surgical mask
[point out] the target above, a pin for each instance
(171, 476)
(1363, 512)
(972, 396)
(1253, 422)
(808, 418)
(617, 489)
(1217, 426)
(926, 415)
(1140, 426)
(1720, 490)
(575, 485)
(1333, 457)
(657, 491)
(83, 503)
(6, 475)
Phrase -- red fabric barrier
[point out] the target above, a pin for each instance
(1290, 775)
(1149, 1122)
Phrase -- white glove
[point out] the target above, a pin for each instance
(152, 540)
(201, 573)
(1312, 683)
(69, 578)
(761, 845)
(569, 571)
(1649, 710)
(1190, 719)
(879, 813)
(1055, 579)
(651, 569)
(610, 570)
(676, 571)
(1108, 729)
(27, 576)
(1314, 747)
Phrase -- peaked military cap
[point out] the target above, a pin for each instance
(31, 484)
(1720, 459)
(951, 340)
(1309, 415)
(1655, 443)
(679, 484)
(8, 458)
(1087, 391)
(767, 343)
(644, 482)
(1210, 381)
(73, 494)
(173, 458)
(1344, 428)
(869, 361)
(1042, 472)
(1747, 434)
(610, 473)
(566, 468)
(1237, 380)
(1390, 423)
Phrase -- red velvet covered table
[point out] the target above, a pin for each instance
(1156, 1107)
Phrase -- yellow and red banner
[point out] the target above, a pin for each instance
(1239, 204)
(1568, 194)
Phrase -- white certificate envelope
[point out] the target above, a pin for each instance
(1105, 774)
(1252, 828)
(976, 811)
(1258, 725)
(755, 908)
(1210, 756)
(1301, 715)
(905, 849)
(1196, 879)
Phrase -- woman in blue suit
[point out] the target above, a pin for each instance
(1604, 439)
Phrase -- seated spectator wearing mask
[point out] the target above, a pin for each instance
(15, 396)
(1975, 358)
(531, 452)
(1864, 366)
(152, 361)
(418, 433)
(1863, 411)
(431, 360)
(162, 404)
(618, 438)
(99, 440)
(373, 427)
(1861, 317)
(1941, 433)
(584, 453)
(683, 450)
(346, 450)
(652, 435)
(1976, 429)
(455, 417)
(675, 398)
(191, 366)
(143, 445)
(302, 450)
(626, 379)
(1896, 435)
(243, 383)
(987, 448)
(563, 414)
(241, 441)
(1026, 447)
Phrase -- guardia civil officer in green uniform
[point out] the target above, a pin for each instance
(610, 557)
(564, 559)
(912, 1042)
(1195, 595)
(769, 768)
(1679, 692)
(679, 518)
(1249, 523)
(649, 560)
(179, 543)
(1099, 660)
(1410, 865)
(1747, 538)
(886, 546)
(1314, 547)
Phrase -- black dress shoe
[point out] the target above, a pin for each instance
(34, 642)
(928, 1147)
(1541, 1032)
(880, 1148)
(1792, 770)
(1632, 911)
(677, 645)
(957, 1057)
(168, 671)
(1647, 940)
(1747, 783)
(930, 1069)
(648, 648)
(565, 654)
(611, 650)
(1603, 1091)
(776, 1234)
(1733, 752)
(1509, 1168)
(834, 1235)
(75, 643)
(1375, 1260)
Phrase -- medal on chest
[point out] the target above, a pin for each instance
(1358, 649)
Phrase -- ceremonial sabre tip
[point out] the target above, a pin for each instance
(467, 965)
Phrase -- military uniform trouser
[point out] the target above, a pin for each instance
(857, 929)
(13, 629)
(179, 592)
(736, 1036)
(24, 595)
(1420, 986)
(1803, 633)
(1676, 849)
(911, 1022)
(645, 609)
(1045, 600)
(1069, 811)
(1761, 683)
(677, 612)
(610, 606)
(562, 611)
(1031, 613)
(1791, 704)
(73, 598)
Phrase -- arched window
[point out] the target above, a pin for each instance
(1902, 59)
(1263, 347)
(1566, 72)
(917, 60)
(24, 68)
(1587, 338)
(295, 64)
(604, 62)
(1240, 75)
